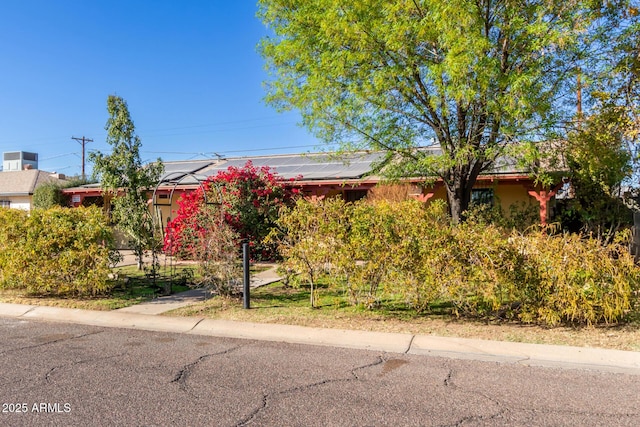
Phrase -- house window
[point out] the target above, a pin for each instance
(354, 195)
(5, 203)
(482, 196)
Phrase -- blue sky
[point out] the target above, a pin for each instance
(188, 69)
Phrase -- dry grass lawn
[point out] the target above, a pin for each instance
(279, 305)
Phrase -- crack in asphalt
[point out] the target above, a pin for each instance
(535, 414)
(447, 379)
(266, 397)
(501, 410)
(464, 420)
(370, 365)
(79, 362)
(254, 413)
(504, 410)
(13, 350)
(184, 373)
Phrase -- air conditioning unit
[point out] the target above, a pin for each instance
(19, 160)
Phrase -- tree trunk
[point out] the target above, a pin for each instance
(459, 186)
(459, 200)
(139, 254)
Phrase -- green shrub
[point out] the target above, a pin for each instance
(521, 216)
(402, 249)
(12, 235)
(311, 238)
(57, 251)
(366, 260)
(48, 195)
(479, 272)
(569, 279)
(420, 233)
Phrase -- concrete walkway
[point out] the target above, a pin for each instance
(171, 302)
(128, 258)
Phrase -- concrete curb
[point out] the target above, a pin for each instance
(528, 354)
(380, 341)
(110, 319)
(605, 360)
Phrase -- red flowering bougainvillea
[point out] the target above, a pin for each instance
(247, 199)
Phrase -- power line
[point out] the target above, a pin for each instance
(251, 150)
(83, 143)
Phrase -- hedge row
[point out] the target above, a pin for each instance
(386, 251)
(57, 251)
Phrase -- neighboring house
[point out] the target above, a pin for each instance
(17, 187)
(320, 175)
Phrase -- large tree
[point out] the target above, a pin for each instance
(470, 76)
(125, 179)
(601, 151)
(617, 93)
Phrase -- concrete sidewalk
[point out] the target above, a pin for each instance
(616, 361)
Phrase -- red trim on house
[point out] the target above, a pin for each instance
(318, 190)
(543, 197)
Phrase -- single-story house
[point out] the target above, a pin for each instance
(320, 175)
(17, 186)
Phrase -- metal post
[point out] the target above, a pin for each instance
(246, 281)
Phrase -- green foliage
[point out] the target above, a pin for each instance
(57, 251)
(521, 216)
(599, 163)
(476, 268)
(568, 279)
(310, 236)
(12, 235)
(597, 152)
(366, 258)
(48, 195)
(617, 83)
(126, 180)
(473, 77)
(411, 273)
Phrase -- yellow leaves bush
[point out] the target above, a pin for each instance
(57, 251)
(572, 279)
(384, 250)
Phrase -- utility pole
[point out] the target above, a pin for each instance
(83, 141)
(579, 97)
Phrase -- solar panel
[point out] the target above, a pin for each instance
(186, 166)
(320, 166)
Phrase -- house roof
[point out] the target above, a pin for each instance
(187, 166)
(23, 183)
(310, 166)
(316, 168)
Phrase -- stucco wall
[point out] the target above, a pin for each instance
(18, 202)
(514, 194)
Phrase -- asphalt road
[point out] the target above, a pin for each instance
(77, 375)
